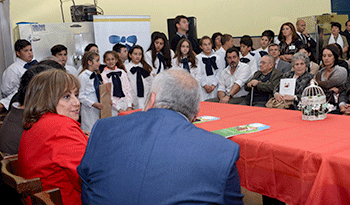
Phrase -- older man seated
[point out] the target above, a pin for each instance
(159, 156)
(263, 82)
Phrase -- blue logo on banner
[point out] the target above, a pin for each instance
(114, 39)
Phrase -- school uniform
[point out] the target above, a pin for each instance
(194, 71)
(209, 73)
(87, 97)
(158, 67)
(222, 53)
(11, 79)
(72, 70)
(258, 54)
(122, 96)
(139, 86)
(250, 60)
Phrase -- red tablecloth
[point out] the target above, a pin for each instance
(295, 161)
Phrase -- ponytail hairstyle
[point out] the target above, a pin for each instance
(119, 63)
(165, 50)
(190, 56)
(88, 56)
(145, 65)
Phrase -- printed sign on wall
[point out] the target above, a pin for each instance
(127, 30)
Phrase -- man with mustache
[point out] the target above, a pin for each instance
(232, 79)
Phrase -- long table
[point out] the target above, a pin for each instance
(295, 161)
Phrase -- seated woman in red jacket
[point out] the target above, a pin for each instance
(52, 144)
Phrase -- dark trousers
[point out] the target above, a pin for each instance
(236, 100)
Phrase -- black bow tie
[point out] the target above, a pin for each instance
(245, 60)
(97, 82)
(161, 61)
(263, 53)
(210, 63)
(185, 64)
(139, 82)
(117, 84)
(30, 64)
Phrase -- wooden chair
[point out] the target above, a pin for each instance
(1, 156)
(24, 187)
(7, 156)
(50, 197)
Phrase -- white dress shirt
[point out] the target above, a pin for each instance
(257, 55)
(119, 103)
(252, 63)
(195, 71)
(72, 70)
(138, 102)
(148, 59)
(11, 79)
(87, 97)
(240, 77)
(222, 53)
(212, 79)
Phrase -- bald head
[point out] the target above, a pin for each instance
(267, 63)
(300, 26)
(175, 90)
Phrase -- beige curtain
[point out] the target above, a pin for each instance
(6, 42)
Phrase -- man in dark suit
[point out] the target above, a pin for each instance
(305, 37)
(181, 26)
(280, 64)
(159, 156)
(346, 33)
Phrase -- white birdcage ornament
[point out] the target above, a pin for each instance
(313, 104)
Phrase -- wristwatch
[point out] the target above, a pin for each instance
(229, 94)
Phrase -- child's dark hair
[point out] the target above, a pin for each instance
(308, 50)
(117, 47)
(88, 47)
(88, 56)
(21, 43)
(119, 63)
(145, 65)
(58, 48)
(27, 76)
(246, 40)
(213, 37)
(269, 34)
(190, 56)
(165, 50)
(203, 38)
